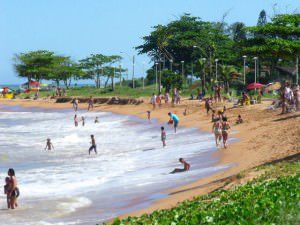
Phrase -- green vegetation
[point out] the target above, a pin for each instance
(273, 198)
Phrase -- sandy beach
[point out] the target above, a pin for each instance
(264, 136)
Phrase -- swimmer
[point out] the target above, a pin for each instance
(49, 145)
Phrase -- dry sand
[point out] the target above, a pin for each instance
(264, 136)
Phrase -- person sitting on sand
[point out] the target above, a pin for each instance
(239, 120)
(186, 167)
(175, 120)
(217, 130)
(49, 145)
(94, 146)
(90, 103)
(225, 131)
(96, 120)
(163, 136)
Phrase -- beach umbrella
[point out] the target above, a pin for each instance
(254, 86)
(273, 87)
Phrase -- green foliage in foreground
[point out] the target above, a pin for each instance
(262, 201)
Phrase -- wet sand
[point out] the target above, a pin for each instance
(263, 137)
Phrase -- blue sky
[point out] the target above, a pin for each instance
(81, 27)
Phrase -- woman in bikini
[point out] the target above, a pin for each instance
(14, 190)
(217, 130)
(225, 130)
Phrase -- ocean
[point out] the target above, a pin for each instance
(67, 186)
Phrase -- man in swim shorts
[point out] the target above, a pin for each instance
(186, 167)
(94, 146)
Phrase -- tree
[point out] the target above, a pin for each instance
(226, 75)
(262, 19)
(171, 80)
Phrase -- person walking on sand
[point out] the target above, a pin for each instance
(90, 103)
(93, 146)
(225, 131)
(186, 167)
(163, 136)
(153, 101)
(175, 119)
(49, 145)
(14, 190)
(217, 130)
(75, 104)
(76, 120)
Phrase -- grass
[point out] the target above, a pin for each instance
(273, 198)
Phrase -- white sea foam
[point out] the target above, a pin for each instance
(130, 160)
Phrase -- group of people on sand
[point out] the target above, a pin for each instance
(11, 189)
(290, 98)
(156, 100)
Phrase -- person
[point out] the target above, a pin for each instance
(167, 97)
(90, 103)
(225, 130)
(219, 98)
(158, 100)
(14, 190)
(76, 120)
(297, 97)
(214, 117)
(7, 188)
(83, 121)
(217, 130)
(94, 146)
(49, 145)
(163, 136)
(207, 105)
(96, 120)
(239, 120)
(186, 167)
(149, 115)
(153, 100)
(175, 120)
(75, 104)
(245, 99)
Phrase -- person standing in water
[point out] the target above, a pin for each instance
(83, 121)
(7, 188)
(75, 104)
(94, 146)
(186, 167)
(49, 145)
(14, 190)
(149, 115)
(96, 120)
(163, 136)
(91, 103)
(75, 120)
(175, 119)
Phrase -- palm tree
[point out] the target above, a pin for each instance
(226, 75)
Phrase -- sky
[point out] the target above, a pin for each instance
(78, 28)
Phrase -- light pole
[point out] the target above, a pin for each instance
(171, 64)
(255, 64)
(244, 57)
(160, 71)
(143, 75)
(120, 69)
(182, 70)
(297, 70)
(216, 60)
(133, 61)
(203, 78)
(156, 64)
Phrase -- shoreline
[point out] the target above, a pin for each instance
(255, 146)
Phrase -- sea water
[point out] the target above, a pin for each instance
(67, 186)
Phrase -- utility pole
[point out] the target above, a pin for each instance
(297, 70)
(244, 56)
(133, 61)
(120, 75)
(159, 89)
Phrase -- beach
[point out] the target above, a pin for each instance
(264, 136)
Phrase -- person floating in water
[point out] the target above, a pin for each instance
(163, 136)
(90, 103)
(94, 146)
(174, 119)
(186, 167)
(96, 120)
(83, 121)
(49, 145)
(149, 115)
(75, 121)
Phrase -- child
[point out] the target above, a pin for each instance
(163, 136)
(239, 120)
(149, 115)
(96, 120)
(7, 188)
(186, 167)
(83, 121)
(49, 145)
(75, 121)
